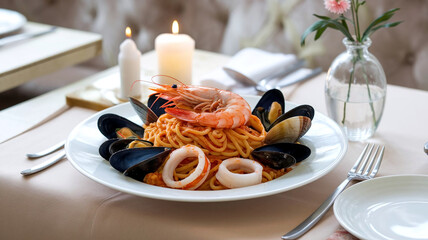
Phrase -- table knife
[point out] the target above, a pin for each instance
(51, 161)
(278, 74)
(264, 86)
(19, 37)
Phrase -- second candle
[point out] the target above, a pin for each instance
(175, 56)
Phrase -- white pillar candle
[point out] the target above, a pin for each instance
(129, 64)
(175, 54)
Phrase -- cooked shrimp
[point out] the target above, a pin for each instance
(210, 107)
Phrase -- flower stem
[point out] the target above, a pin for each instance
(370, 96)
(354, 61)
(357, 22)
(353, 17)
(351, 77)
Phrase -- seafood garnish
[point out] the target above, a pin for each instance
(288, 130)
(196, 178)
(137, 162)
(252, 173)
(117, 144)
(210, 107)
(110, 123)
(271, 103)
(281, 155)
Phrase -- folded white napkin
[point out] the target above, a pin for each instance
(254, 63)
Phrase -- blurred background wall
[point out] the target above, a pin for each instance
(226, 26)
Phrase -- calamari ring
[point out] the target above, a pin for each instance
(195, 179)
(253, 173)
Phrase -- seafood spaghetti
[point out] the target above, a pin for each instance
(201, 138)
(218, 139)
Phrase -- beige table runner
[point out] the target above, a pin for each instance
(61, 203)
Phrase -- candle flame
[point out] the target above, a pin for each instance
(175, 28)
(128, 32)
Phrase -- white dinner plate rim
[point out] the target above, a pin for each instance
(338, 208)
(21, 21)
(207, 196)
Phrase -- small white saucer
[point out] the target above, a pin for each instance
(391, 207)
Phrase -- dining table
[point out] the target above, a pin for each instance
(62, 203)
(50, 49)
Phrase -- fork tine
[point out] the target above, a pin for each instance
(378, 162)
(366, 158)
(371, 161)
(357, 163)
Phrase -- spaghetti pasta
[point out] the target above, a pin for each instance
(169, 131)
(217, 144)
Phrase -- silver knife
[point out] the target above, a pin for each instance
(51, 161)
(264, 86)
(278, 74)
(19, 37)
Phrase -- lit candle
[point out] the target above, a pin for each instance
(129, 64)
(175, 53)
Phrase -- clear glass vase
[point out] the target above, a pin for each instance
(355, 91)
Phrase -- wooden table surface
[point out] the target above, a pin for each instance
(24, 60)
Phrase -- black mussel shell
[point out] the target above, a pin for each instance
(104, 149)
(302, 110)
(145, 113)
(273, 95)
(155, 103)
(109, 123)
(262, 114)
(137, 162)
(121, 144)
(281, 155)
(113, 145)
(275, 160)
(261, 110)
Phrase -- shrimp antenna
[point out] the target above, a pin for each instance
(160, 75)
(134, 82)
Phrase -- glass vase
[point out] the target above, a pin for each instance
(355, 90)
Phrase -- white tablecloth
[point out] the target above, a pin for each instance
(61, 203)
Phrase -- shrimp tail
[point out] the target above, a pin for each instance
(182, 114)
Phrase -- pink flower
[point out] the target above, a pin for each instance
(337, 6)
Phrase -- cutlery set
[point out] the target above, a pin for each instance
(51, 161)
(271, 81)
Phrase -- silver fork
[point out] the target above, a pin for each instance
(365, 168)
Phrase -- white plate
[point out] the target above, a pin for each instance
(392, 208)
(10, 21)
(325, 138)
